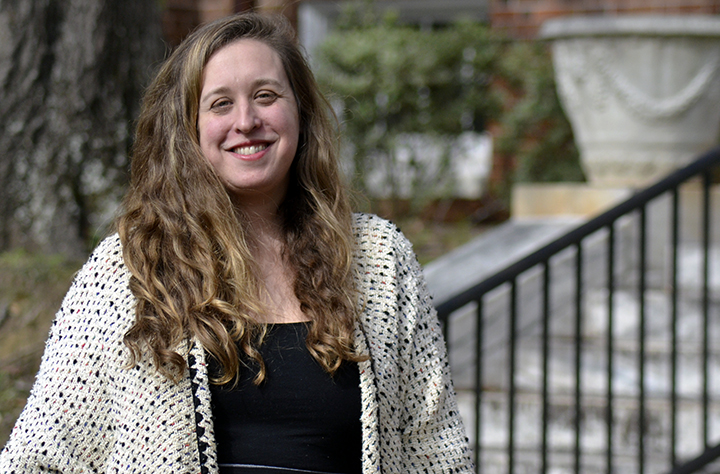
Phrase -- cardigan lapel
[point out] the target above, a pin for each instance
(369, 414)
(207, 449)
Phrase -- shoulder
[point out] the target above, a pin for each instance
(107, 257)
(384, 257)
(369, 222)
(108, 250)
(99, 293)
(103, 279)
(95, 313)
(375, 236)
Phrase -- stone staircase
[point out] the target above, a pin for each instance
(504, 245)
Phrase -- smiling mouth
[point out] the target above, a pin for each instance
(249, 150)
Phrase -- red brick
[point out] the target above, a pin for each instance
(522, 18)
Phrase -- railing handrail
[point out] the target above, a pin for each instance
(574, 237)
(689, 467)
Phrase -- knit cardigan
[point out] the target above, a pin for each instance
(90, 413)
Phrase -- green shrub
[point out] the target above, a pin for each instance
(390, 81)
(534, 130)
(394, 82)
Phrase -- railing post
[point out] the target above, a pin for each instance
(479, 329)
(545, 366)
(578, 353)
(610, 346)
(674, 325)
(707, 181)
(511, 391)
(641, 338)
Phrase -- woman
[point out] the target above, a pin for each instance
(242, 319)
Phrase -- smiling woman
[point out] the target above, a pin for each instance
(242, 319)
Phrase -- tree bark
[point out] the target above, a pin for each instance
(71, 77)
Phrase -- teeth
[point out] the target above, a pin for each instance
(249, 150)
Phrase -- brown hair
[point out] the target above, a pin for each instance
(186, 246)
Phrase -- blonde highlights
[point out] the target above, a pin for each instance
(186, 245)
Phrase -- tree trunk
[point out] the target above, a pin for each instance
(71, 77)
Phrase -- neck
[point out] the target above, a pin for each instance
(264, 227)
(262, 218)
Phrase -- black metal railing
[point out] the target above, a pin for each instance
(603, 337)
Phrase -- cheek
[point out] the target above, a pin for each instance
(292, 126)
(210, 133)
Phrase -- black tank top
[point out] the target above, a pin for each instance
(299, 417)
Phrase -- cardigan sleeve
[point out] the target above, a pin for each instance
(65, 426)
(418, 423)
(432, 432)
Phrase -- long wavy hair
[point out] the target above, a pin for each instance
(187, 247)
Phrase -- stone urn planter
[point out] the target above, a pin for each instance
(642, 92)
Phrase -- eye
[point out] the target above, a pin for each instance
(221, 104)
(266, 96)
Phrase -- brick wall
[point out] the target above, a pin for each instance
(522, 18)
(182, 16)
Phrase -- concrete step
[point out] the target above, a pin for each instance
(489, 253)
(561, 432)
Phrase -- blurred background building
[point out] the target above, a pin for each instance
(520, 19)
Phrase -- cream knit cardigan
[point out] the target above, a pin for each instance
(88, 413)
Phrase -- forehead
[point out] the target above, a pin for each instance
(244, 58)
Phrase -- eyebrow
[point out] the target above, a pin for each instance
(226, 90)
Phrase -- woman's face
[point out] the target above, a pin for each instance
(248, 122)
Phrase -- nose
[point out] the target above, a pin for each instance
(247, 119)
